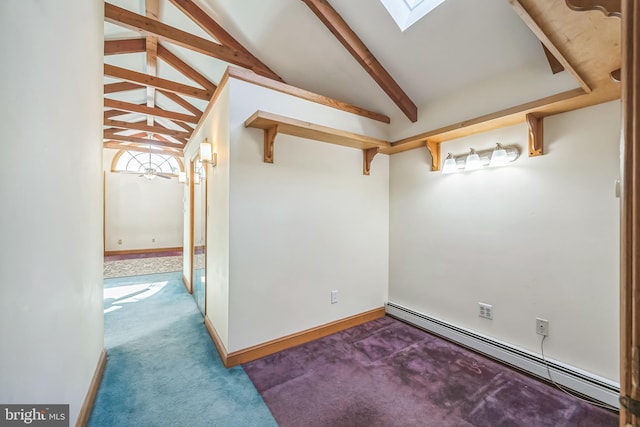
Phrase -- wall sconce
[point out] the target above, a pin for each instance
(182, 177)
(474, 160)
(207, 154)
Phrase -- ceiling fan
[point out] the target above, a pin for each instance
(150, 170)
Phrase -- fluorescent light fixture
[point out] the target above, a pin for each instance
(473, 161)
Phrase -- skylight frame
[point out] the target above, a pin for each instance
(407, 12)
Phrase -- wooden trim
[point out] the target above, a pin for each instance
(608, 7)
(90, 398)
(630, 210)
(142, 251)
(350, 40)
(183, 103)
(287, 125)
(270, 134)
(143, 109)
(251, 77)
(536, 134)
(117, 47)
(125, 138)
(222, 350)
(367, 157)
(540, 34)
(185, 282)
(434, 150)
(554, 64)
(211, 27)
(156, 82)
(270, 347)
(549, 105)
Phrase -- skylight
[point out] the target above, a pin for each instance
(408, 12)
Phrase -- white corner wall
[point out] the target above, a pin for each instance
(305, 225)
(51, 314)
(539, 238)
(141, 213)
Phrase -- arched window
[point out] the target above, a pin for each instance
(147, 164)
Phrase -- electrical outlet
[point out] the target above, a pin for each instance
(542, 326)
(334, 297)
(119, 241)
(486, 310)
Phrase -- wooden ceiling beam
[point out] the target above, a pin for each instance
(183, 103)
(113, 113)
(349, 39)
(146, 128)
(188, 71)
(542, 36)
(117, 47)
(121, 87)
(152, 8)
(608, 7)
(144, 148)
(143, 109)
(124, 138)
(554, 64)
(211, 27)
(156, 82)
(142, 24)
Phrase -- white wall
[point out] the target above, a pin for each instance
(303, 226)
(51, 316)
(139, 211)
(536, 239)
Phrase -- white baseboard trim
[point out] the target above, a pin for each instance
(585, 383)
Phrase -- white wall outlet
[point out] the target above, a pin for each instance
(486, 310)
(542, 326)
(334, 297)
(119, 241)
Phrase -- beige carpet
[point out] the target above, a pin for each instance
(140, 266)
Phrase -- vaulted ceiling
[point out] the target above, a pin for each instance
(489, 62)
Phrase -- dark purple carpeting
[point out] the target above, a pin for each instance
(387, 373)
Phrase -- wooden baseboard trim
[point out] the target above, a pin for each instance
(222, 351)
(87, 405)
(261, 350)
(186, 283)
(142, 251)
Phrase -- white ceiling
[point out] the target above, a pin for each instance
(460, 46)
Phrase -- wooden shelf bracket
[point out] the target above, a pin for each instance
(434, 149)
(536, 135)
(367, 156)
(269, 139)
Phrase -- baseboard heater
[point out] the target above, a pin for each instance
(585, 383)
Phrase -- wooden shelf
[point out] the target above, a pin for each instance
(272, 124)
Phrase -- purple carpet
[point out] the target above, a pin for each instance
(387, 373)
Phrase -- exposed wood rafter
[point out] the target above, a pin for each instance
(146, 128)
(167, 56)
(156, 82)
(142, 24)
(349, 39)
(535, 28)
(209, 25)
(124, 138)
(554, 64)
(143, 109)
(117, 47)
(183, 103)
(121, 87)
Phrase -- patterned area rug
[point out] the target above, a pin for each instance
(387, 373)
(141, 266)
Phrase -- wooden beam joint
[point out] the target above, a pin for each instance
(536, 135)
(367, 156)
(269, 140)
(434, 149)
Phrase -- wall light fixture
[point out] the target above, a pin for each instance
(207, 153)
(501, 155)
